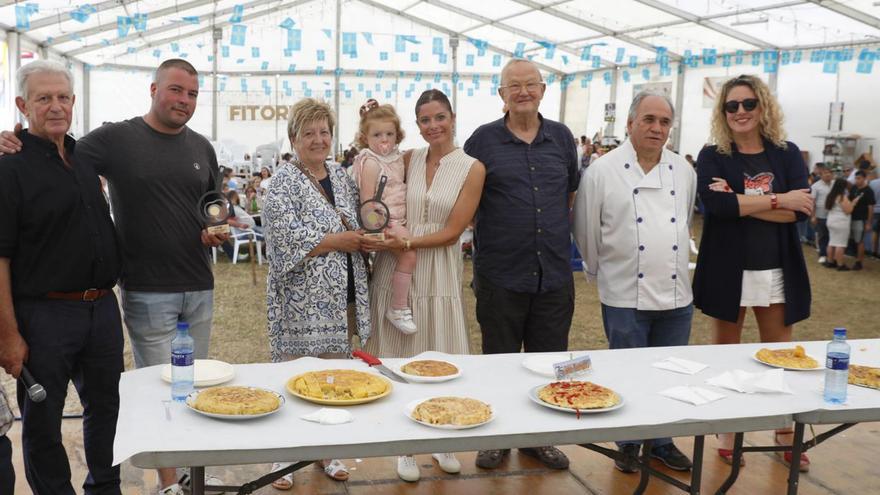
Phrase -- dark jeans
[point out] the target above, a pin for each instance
(822, 236)
(806, 232)
(628, 327)
(7, 474)
(79, 341)
(511, 321)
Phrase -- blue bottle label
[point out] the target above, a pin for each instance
(181, 359)
(837, 363)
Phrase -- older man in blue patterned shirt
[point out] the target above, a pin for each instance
(522, 273)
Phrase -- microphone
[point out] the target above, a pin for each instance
(35, 391)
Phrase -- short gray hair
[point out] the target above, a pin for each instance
(40, 67)
(637, 100)
(518, 60)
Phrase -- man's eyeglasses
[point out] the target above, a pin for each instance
(748, 105)
(531, 87)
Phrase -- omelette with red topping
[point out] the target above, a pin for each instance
(578, 395)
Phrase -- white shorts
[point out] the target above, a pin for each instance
(762, 288)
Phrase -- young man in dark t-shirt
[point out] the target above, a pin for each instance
(862, 214)
(158, 168)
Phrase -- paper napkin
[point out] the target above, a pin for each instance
(692, 395)
(680, 365)
(771, 381)
(326, 416)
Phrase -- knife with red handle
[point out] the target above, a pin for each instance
(374, 362)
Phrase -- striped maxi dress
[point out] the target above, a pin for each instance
(435, 293)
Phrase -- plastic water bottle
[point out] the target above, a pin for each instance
(837, 368)
(182, 366)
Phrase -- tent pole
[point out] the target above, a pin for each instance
(453, 44)
(774, 76)
(87, 98)
(217, 35)
(13, 56)
(679, 105)
(336, 78)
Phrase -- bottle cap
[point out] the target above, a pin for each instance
(182, 325)
(840, 332)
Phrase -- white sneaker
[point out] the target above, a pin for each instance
(185, 484)
(402, 319)
(822, 259)
(407, 468)
(448, 462)
(171, 490)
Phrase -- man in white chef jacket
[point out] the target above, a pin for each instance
(631, 223)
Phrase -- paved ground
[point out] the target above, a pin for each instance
(846, 464)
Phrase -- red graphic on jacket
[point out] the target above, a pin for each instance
(759, 184)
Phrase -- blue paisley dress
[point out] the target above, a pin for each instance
(306, 297)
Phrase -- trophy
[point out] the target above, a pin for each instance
(215, 210)
(374, 214)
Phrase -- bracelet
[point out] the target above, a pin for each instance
(774, 202)
(408, 245)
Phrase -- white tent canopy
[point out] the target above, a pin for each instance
(269, 53)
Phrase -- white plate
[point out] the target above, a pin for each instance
(208, 372)
(819, 361)
(542, 364)
(408, 409)
(533, 394)
(426, 379)
(190, 399)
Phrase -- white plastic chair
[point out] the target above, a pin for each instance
(242, 238)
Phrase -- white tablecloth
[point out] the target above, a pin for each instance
(380, 428)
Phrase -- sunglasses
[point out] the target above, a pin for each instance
(748, 105)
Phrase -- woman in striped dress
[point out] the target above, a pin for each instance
(443, 190)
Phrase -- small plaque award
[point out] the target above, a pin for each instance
(374, 214)
(215, 210)
(573, 368)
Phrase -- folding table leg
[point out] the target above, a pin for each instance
(794, 470)
(697, 470)
(734, 465)
(197, 478)
(643, 469)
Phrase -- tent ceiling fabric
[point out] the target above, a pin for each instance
(563, 36)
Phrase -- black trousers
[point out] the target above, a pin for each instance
(511, 321)
(79, 341)
(7, 474)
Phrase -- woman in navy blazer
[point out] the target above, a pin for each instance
(753, 184)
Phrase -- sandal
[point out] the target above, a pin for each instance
(803, 465)
(285, 482)
(727, 457)
(334, 469)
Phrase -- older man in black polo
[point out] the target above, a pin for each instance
(522, 245)
(58, 264)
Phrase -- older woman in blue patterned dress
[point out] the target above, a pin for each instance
(317, 285)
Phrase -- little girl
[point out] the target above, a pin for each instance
(378, 136)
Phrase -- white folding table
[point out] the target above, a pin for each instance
(153, 435)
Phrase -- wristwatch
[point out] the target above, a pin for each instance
(774, 202)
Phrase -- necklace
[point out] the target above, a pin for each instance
(311, 174)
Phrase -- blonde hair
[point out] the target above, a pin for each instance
(305, 112)
(769, 125)
(380, 113)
